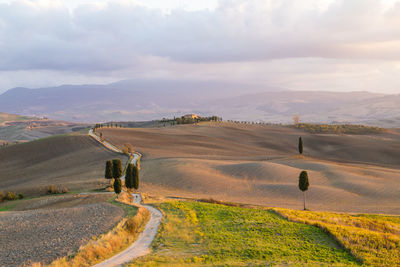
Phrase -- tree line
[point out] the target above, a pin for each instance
(186, 120)
(106, 125)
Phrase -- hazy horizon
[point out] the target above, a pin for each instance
(313, 45)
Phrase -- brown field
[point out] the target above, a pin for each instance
(19, 129)
(260, 165)
(75, 161)
(44, 229)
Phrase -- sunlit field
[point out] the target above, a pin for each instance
(196, 233)
(373, 239)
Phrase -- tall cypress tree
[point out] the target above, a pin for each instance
(109, 170)
(300, 145)
(129, 183)
(303, 185)
(136, 178)
(117, 186)
(117, 168)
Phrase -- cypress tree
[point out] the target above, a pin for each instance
(136, 177)
(303, 185)
(117, 168)
(129, 176)
(117, 186)
(109, 170)
(300, 145)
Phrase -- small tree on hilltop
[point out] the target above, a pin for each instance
(117, 186)
(109, 170)
(300, 145)
(303, 185)
(117, 168)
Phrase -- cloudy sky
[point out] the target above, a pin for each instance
(335, 45)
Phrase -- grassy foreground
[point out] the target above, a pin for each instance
(373, 239)
(196, 233)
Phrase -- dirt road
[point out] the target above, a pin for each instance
(141, 246)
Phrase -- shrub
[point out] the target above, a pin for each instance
(128, 149)
(64, 190)
(134, 224)
(20, 196)
(1, 196)
(11, 196)
(52, 189)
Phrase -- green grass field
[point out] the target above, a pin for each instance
(374, 239)
(196, 233)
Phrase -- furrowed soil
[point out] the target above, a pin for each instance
(260, 165)
(74, 161)
(43, 229)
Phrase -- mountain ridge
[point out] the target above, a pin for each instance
(136, 100)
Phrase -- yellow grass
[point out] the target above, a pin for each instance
(109, 244)
(373, 239)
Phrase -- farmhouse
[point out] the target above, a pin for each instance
(191, 116)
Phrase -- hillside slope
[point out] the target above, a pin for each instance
(261, 165)
(75, 161)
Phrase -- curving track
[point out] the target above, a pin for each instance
(142, 245)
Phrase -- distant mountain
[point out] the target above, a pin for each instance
(320, 107)
(124, 100)
(136, 100)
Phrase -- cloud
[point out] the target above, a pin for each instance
(112, 35)
(126, 37)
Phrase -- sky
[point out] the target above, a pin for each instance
(329, 45)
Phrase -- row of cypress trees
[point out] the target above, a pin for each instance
(114, 171)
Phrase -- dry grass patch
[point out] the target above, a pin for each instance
(109, 244)
(373, 239)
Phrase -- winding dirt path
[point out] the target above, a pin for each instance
(142, 245)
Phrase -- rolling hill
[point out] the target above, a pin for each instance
(75, 161)
(17, 129)
(260, 165)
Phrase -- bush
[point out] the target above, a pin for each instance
(20, 196)
(11, 196)
(1, 196)
(52, 189)
(128, 149)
